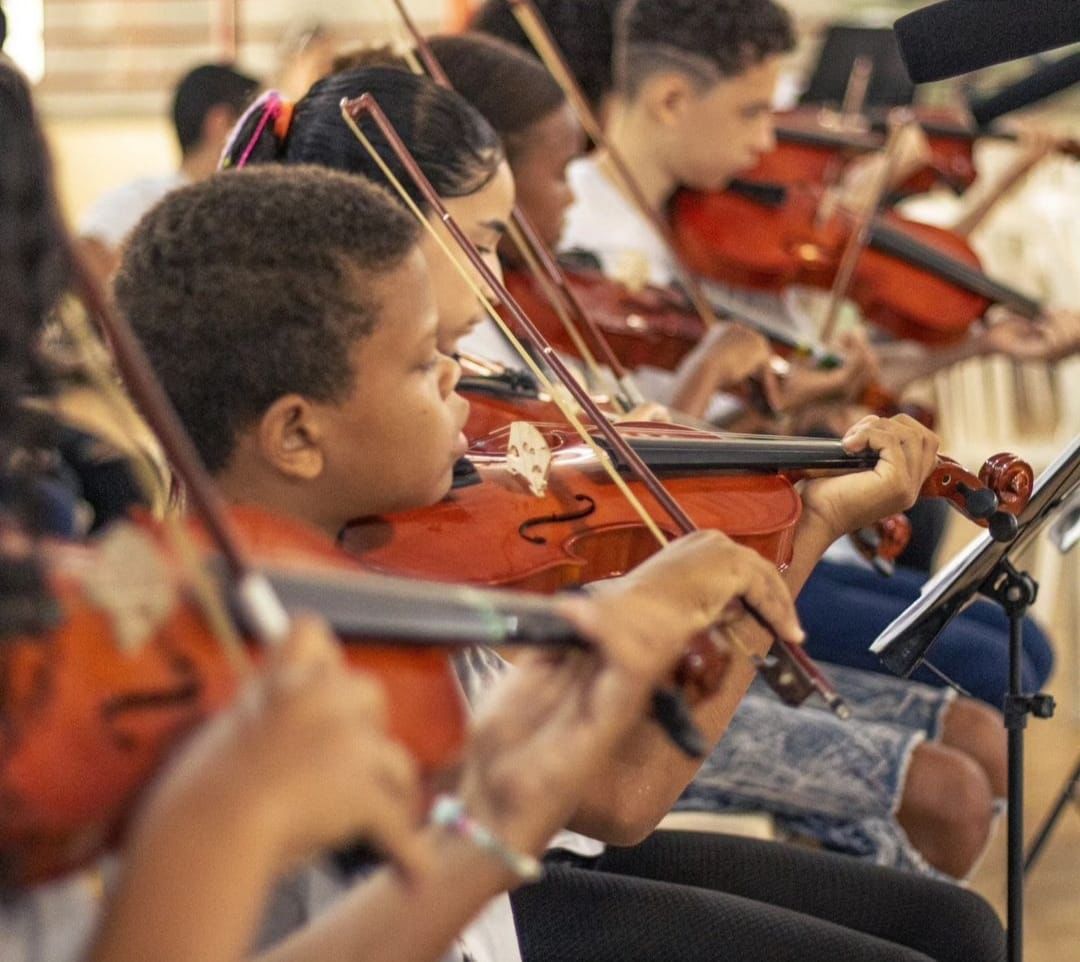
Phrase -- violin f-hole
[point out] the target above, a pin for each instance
(185, 693)
(526, 526)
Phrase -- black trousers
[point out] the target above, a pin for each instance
(699, 897)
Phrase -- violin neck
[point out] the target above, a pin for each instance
(754, 455)
(829, 139)
(889, 240)
(373, 609)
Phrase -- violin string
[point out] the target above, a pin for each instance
(557, 395)
(528, 243)
(205, 592)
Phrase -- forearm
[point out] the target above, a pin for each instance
(186, 895)
(390, 919)
(642, 781)
(905, 361)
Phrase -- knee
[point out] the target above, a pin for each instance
(947, 808)
(978, 730)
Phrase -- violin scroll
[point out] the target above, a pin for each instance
(1010, 478)
(993, 499)
(883, 542)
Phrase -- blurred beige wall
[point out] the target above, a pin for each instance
(93, 156)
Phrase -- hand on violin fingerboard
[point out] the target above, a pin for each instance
(1053, 337)
(907, 455)
(805, 384)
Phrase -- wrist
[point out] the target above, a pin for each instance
(238, 832)
(821, 524)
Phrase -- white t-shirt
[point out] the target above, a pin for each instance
(113, 215)
(604, 223)
(54, 922)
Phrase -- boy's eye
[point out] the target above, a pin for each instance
(486, 251)
(431, 364)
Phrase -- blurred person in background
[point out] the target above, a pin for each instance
(207, 103)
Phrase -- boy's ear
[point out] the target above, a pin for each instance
(667, 95)
(290, 438)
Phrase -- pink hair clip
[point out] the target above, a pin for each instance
(271, 106)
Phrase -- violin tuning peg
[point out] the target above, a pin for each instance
(980, 503)
(1003, 526)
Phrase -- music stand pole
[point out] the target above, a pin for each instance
(1015, 592)
(984, 568)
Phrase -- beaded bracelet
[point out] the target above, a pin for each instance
(448, 812)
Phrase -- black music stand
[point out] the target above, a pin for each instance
(984, 568)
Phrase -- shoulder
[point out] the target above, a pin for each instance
(115, 213)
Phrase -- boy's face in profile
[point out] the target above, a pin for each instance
(392, 443)
(726, 128)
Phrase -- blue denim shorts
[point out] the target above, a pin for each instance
(837, 782)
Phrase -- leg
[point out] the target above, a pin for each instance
(973, 649)
(947, 808)
(977, 730)
(943, 921)
(580, 915)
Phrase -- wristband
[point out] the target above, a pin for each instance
(448, 812)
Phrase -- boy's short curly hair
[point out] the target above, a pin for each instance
(707, 40)
(250, 285)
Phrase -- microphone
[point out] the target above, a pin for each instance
(1041, 83)
(958, 36)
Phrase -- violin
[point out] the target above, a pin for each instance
(550, 518)
(916, 281)
(813, 145)
(498, 396)
(125, 665)
(653, 326)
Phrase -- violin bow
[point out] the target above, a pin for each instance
(541, 262)
(788, 669)
(860, 236)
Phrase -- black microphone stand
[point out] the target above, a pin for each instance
(984, 568)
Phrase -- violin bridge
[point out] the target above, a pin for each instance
(528, 456)
(632, 271)
(132, 585)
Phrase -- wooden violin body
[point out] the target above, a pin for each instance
(914, 280)
(581, 529)
(94, 706)
(651, 327)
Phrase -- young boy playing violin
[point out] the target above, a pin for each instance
(311, 380)
(924, 779)
(302, 760)
(695, 80)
